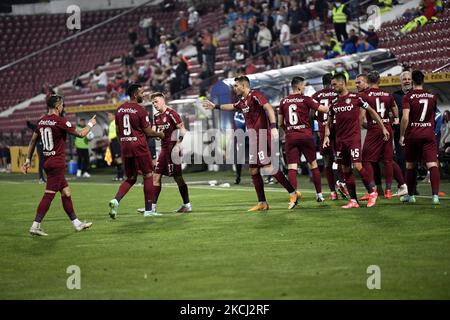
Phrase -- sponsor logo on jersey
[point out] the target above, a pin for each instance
(127, 110)
(128, 139)
(343, 108)
(47, 123)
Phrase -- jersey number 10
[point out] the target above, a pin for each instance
(47, 138)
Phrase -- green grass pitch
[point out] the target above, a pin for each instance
(221, 251)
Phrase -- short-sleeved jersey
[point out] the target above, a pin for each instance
(324, 97)
(253, 111)
(422, 106)
(345, 110)
(295, 111)
(382, 102)
(131, 120)
(167, 122)
(52, 131)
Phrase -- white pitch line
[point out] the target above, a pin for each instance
(215, 188)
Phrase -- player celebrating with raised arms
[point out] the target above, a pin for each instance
(52, 130)
(417, 136)
(293, 116)
(258, 113)
(345, 109)
(169, 121)
(133, 127)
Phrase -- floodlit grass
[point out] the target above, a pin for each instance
(221, 251)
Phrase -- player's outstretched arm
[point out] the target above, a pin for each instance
(403, 126)
(273, 122)
(30, 152)
(323, 109)
(395, 113)
(224, 107)
(378, 120)
(150, 132)
(280, 121)
(326, 139)
(362, 117)
(83, 132)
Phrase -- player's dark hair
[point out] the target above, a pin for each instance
(418, 77)
(363, 75)
(340, 76)
(296, 81)
(53, 100)
(132, 89)
(157, 94)
(242, 79)
(373, 77)
(326, 79)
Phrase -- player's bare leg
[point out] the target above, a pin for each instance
(259, 187)
(435, 180)
(368, 183)
(411, 183)
(125, 186)
(330, 176)
(68, 208)
(316, 180)
(41, 211)
(294, 195)
(182, 187)
(156, 192)
(351, 186)
(398, 176)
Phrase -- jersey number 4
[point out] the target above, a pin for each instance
(47, 138)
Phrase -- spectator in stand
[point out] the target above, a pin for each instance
(445, 133)
(339, 68)
(251, 33)
(129, 64)
(372, 36)
(231, 18)
(162, 55)
(269, 21)
(322, 10)
(180, 26)
(250, 68)
(351, 43)
(204, 78)
(209, 49)
(340, 14)
(428, 13)
(363, 46)
(247, 13)
(385, 6)
(296, 17)
(314, 20)
(332, 47)
(158, 80)
(77, 84)
(285, 43)
(230, 70)
(197, 43)
(99, 79)
(139, 50)
(132, 35)
(264, 40)
(6, 157)
(193, 18)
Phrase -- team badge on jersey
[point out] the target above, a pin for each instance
(68, 124)
(348, 100)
